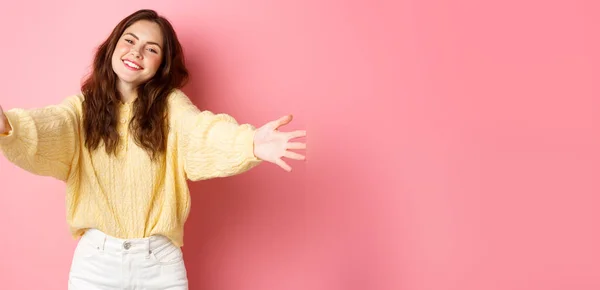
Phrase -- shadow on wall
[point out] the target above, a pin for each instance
(246, 231)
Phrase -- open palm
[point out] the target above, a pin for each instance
(271, 145)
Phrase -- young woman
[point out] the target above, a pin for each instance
(125, 147)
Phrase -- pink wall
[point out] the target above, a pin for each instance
(452, 144)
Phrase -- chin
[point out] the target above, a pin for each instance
(126, 79)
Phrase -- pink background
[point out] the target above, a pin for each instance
(452, 144)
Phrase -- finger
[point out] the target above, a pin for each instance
(296, 145)
(282, 121)
(294, 155)
(283, 165)
(297, 134)
(1, 121)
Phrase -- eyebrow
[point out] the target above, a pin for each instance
(149, 42)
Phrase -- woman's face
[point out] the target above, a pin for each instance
(138, 54)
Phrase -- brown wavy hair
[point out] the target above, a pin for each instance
(149, 124)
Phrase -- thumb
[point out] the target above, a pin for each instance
(281, 121)
(3, 122)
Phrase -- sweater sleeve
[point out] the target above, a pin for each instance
(43, 141)
(211, 145)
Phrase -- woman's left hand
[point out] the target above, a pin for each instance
(271, 145)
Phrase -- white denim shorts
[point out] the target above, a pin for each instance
(104, 262)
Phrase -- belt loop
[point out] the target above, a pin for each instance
(103, 245)
(149, 247)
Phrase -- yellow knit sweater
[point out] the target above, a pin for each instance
(128, 196)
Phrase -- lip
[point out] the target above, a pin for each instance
(141, 67)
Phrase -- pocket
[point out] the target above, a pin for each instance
(84, 256)
(167, 254)
(165, 269)
(85, 249)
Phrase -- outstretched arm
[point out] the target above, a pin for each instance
(42, 141)
(215, 145)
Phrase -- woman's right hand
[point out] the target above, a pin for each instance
(4, 126)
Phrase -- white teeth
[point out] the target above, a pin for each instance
(131, 64)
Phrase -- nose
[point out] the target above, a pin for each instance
(135, 53)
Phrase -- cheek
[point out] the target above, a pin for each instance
(154, 62)
(122, 48)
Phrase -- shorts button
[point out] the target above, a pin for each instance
(127, 245)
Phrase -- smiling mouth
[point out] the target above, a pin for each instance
(132, 65)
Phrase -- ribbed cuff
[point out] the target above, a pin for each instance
(248, 137)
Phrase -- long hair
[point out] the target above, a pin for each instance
(149, 124)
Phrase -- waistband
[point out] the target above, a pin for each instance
(105, 242)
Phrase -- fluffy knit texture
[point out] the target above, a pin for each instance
(128, 196)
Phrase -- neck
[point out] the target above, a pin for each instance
(128, 93)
